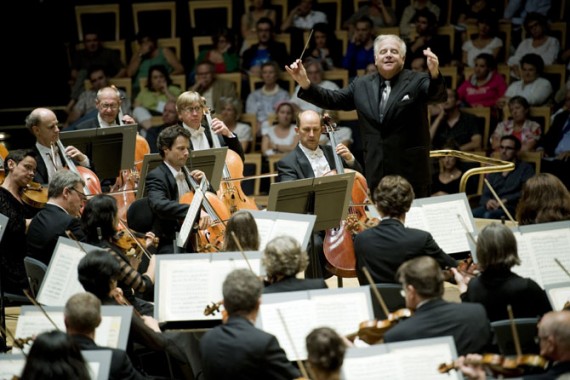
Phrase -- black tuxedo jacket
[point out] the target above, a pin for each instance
(41, 175)
(293, 284)
(46, 227)
(382, 249)
(238, 350)
(296, 165)
(400, 143)
(121, 366)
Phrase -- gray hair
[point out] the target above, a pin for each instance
(383, 37)
(242, 290)
(283, 256)
(234, 102)
(61, 180)
(82, 312)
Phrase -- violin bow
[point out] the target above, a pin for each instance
(74, 238)
(35, 303)
(562, 266)
(516, 340)
(469, 234)
(7, 333)
(236, 240)
(302, 367)
(500, 201)
(142, 247)
(376, 291)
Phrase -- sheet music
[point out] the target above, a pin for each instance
(341, 310)
(93, 368)
(11, 365)
(558, 297)
(528, 267)
(193, 210)
(272, 223)
(385, 366)
(422, 362)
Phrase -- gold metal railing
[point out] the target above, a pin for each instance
(494, 165)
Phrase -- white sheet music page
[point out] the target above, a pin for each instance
(107, 333)
(193, 210)
(558, 297)
(374, 367)
(342, 312)
(528, 267)
(547, 246)
(422, 362)
(446, 230)
(11, 365)
(60, 281)
(268, 229)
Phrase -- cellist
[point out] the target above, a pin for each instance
(310, 160)
(167, 183)
(43, 124)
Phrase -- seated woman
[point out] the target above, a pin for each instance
(243, 225)
(485, 86)
(283, 259)
(485, 41)
(527, 131)
(325, 353)
(151, 100)
(280, 137)
(497, 286)
(532, 86)
(230, 114)
(222, 54)
(544, 199)
(447, 180)
(324, 47)
(379, 11)
(99, 221)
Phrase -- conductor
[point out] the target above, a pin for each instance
(392, 111)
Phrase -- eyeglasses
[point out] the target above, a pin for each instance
(506, 147)
(193, 109)
(81, 195)
(110, 106)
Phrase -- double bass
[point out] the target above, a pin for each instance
(92, 182)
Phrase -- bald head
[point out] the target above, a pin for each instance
(43, 124)
(554, 334)
(309, 126)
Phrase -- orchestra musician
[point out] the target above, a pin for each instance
(237, 349)
(497, 286)
(20, 166)
(108, 103)
(310, 160)
(98, 273)
(283, 258)
(243, 226)
(383, 248)
(43, 124)
(167, 183)
(60, 214)
(325, 353)
(99, 222)
(422, 283)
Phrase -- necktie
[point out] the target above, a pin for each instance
(385, 96)
(182, 184)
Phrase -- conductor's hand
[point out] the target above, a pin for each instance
(344, 152)
(297, 72)
(432, 63)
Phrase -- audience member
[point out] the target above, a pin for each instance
(507, 185)
(283, 259)
(452, 123)
(303, 17)
(59, 215)
(149, 54)
(169, 118)
(325, 353)
(433, 317)
(325, 47)
(527, 131)
(544, 199)
(407, 20)
(282, 136)
(518, 10)
(485, 86)
(237, 349)
(82, 315)
(381, 15)
(497, 286)
(223, 54)
(447, 179)
(485, 41)
(243, 225)
(315, 74)
(536, 89)
(257, 10)
(538, 42)
(55, 356)
(151, 99)
(466, 12)
(426, 37)
(265, 50)
(398, 243)
(261, 101)
(360, 50)
(211, 87)
(230, 112)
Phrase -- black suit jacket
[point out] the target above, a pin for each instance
(238, 350)
(466, 322)
(41, 175)
(121, 366)
(296, 165)
(552, 138)
(400, 143)
(293, 284)
(382, 249)
(45, 229)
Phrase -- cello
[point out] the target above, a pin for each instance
(92, 183)
(338, 245)
(230, 192)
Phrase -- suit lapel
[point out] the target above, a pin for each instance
(329, 155)
(171, 181)
(373, 93)
(397, 93)
(304, 164)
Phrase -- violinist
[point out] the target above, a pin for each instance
(498, 286)
(43, 124)
(99, 221)
(167, 183)
(191, 107)
(237, 349)
(283, 258)
(311, 160)
(325, 353)
(60, 214)
(383, 248)
(243, 225)
(20, 166)
(422, 283)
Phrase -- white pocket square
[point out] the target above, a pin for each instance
(406, 97)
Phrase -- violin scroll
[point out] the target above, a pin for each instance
(213, 308)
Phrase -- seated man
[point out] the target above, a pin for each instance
(507, 185)
(433, 317)
(211, 87)
(237, 349)
(382, 249)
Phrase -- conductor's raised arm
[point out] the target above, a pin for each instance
(297, 72)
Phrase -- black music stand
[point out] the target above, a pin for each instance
(326, 197)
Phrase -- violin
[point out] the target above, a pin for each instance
(372, 332)
(132, 243)
(465, 267)
(34, 194)
(499, 365)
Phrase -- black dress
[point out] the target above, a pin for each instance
(449, 188)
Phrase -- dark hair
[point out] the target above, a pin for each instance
(517, 99)
(244, 226)
(96, 270)
(93, 68)
(490, 18)
(497, 247)
(266, 20)
(54, 355)
(17, 156)
(162, 70)
(394, 196)
(429, 16)
(539, 18)
(489, 59)
(98, 218)
(228, 34)
(166, 138)
(242, 290)
(534, 60)
(544, 199)
(514, 139)
(424, 274)
(325, 349)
